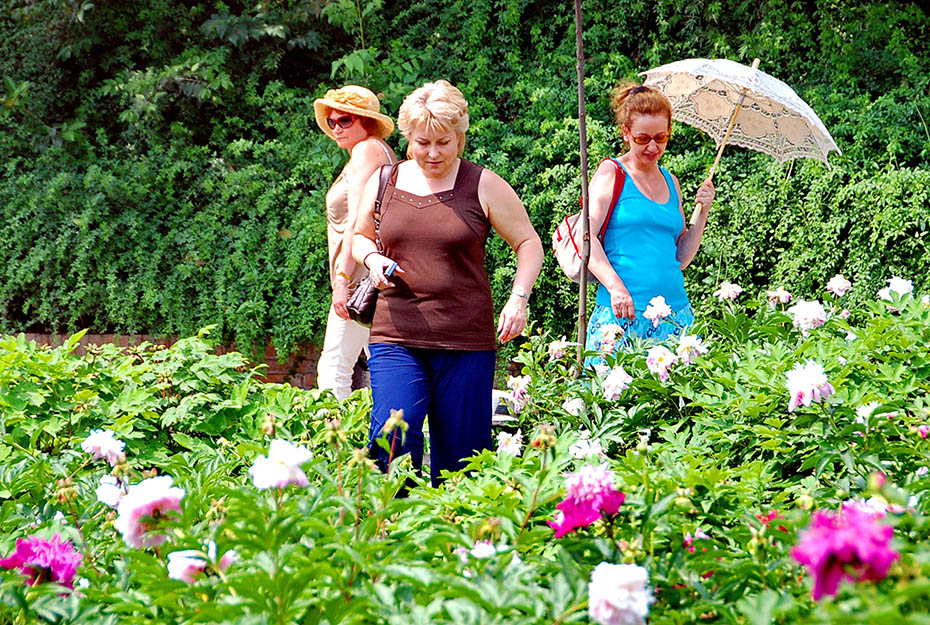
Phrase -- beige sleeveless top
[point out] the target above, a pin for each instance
(337, 214)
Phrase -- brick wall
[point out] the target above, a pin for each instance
(299, 370)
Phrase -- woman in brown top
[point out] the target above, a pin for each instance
(349, 116)
(433, 337)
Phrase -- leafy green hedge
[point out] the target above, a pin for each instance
(162, 170)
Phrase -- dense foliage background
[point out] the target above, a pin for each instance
(161, 170)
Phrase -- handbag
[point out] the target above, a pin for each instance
(566, 240)
(361, 304)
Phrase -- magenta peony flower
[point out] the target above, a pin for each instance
(852, 544)
(140, 509)
(923, 431)
(42, 560)
(590, 494)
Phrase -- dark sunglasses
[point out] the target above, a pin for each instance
(660, 138)
(343, 122)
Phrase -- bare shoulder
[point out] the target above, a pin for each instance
(369, 151)
(492, 187)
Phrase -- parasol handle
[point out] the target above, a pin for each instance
(698, 207)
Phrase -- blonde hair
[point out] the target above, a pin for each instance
(437, 106)
(629, 99)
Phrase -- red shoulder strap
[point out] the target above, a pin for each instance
(619, 179)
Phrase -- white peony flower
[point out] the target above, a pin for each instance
(808, 315)
(510, 444)
(617, 381)
(618, 595)
(865, 411)
(657, 310)
(574, 406)
(896, 285)
(281, 467)
(838, 285)
(660, 360)
(483, 549)
(690, 347)
(109, 492)
(728, 291)
(807, 383)
(103, 444)
(558, 348)
(584, 448)
(779, 296)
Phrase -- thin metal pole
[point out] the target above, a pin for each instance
(585, 223)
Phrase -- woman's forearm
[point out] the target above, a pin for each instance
(362, 246)
(529, 262)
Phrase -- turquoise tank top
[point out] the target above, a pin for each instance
(640, 244)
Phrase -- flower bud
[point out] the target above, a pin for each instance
(268, 425)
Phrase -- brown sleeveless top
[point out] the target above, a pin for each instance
(443, 300)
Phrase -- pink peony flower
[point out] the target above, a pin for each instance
(617, 381)
(807, 383)
(189, 564)
(140, 510)
(657, 310)
(923, 431)
(690, 347)
(851, 544)
(660, 360)
(281, 467)
(42, 560)
(186, 565)
(510, 444)
(618, 595)
(102, 444)
(779, 296)
(838, 285)
(728, 291)
(590, 493)
(808, 315)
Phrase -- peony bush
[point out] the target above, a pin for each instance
(771, 466)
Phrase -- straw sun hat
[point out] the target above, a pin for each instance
(355, 100)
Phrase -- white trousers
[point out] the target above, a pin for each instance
(344, 341)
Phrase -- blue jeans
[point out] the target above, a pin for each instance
(451, 387)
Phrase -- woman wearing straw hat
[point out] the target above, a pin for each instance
(433, 337)
(351, 117)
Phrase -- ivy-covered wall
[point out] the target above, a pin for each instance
(160, 169)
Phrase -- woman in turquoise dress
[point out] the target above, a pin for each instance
(646, 245)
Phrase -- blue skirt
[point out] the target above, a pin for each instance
(607, 334)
